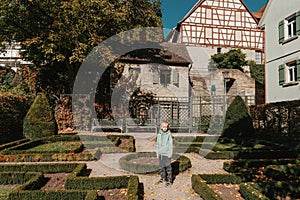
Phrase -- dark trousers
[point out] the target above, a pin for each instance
(165, 168)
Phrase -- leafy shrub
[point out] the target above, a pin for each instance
(39, 121)
(13, 109)
(221, 178)
(250, 192)
(200, 187)
(238, 122)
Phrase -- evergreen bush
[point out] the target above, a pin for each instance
(200, 187)
(238, 122)
(13, 109)
(39, 121)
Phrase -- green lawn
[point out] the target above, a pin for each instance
(61, 146)
(5, 190)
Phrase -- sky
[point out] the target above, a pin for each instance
(175, 10)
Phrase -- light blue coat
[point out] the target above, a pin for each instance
(164, 143)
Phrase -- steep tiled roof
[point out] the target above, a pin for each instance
(259, 13)
(167, 53)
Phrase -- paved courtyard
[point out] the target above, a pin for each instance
(108, 165)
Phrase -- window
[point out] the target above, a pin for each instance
(289, 28)
(165, 77)
(134, 70)
(258, 55)
(175, 78)
(155, 77)
(289, 73)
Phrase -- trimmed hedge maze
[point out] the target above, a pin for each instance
(109, 143)
(255, 149)
(200, 183)
(77, 186)
(270, 178)
(65, 148)
(269, 168)
(28, 179)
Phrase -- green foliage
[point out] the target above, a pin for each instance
(109, 143)
(250, 192)
(16, 83)
(96, 183)
(57, 147)
(39, 121)
(257, 72)
(48, 149)
(77, 186)
(200, 187)
(45, 168)
(49, 195)
(6, 189)
(133, 188)
(13, 109)
(283, 172)
(238, 122)
(221, 178)
(57, 35)
(233, 59)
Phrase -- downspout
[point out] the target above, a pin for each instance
(189, 94)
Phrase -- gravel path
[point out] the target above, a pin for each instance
(108, 165)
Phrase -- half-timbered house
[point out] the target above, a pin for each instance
(216, 26)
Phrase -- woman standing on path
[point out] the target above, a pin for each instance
(164, 151)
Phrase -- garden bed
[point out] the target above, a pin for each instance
(55, 181)
(112, 194)
(66, 148)
(146, 162)
(227, 191)
(65, 181)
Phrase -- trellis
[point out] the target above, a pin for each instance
(197, 110)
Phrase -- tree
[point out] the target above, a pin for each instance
(233, 59)
(238, 123)
(257, 72)
(39, 121)
(57, 35)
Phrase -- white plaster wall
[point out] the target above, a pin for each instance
(277, 54)
(145, 80)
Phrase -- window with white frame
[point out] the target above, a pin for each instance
(289, 72)
(289, 28)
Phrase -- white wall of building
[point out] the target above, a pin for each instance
(279, 54)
